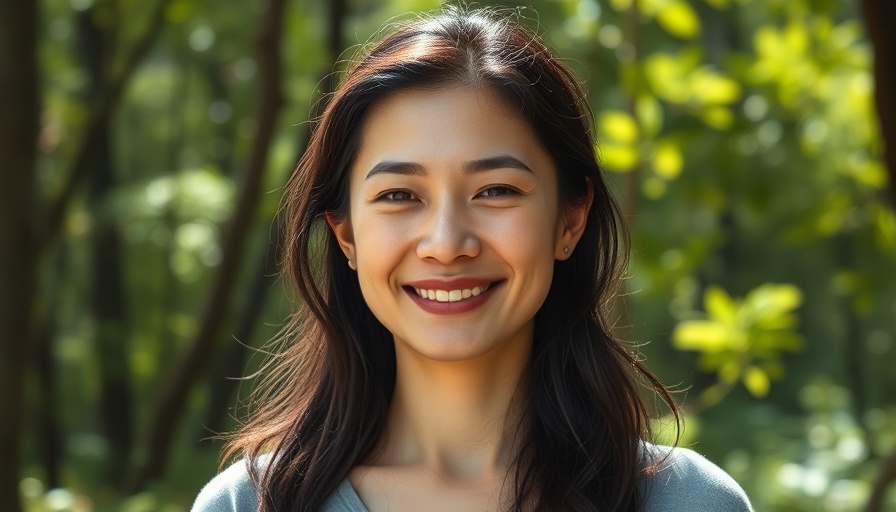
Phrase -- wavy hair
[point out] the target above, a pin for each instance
(322, 403)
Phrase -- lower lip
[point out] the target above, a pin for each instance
(451, 308)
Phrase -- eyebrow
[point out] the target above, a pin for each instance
(473, 166)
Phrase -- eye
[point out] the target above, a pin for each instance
(398, 196)
(497, 191)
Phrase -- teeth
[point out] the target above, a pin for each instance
(451, 295)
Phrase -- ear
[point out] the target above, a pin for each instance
(344, 236)
(572, 223)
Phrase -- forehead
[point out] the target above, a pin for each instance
(447, 126)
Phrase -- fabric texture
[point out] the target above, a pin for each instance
(686, 482)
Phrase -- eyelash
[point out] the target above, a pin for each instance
(503, 190)
(390, 196)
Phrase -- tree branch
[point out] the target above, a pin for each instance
(171, 402)
(885, 478)
(99, 118)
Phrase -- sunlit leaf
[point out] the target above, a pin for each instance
(667, 160)
(714, 88)
(620, 5)
(650, 115)
(756, 381)
(779, 321)
(885, 228)
(700, 335)
(871, 173)
(796, 37)
(679, 19)
(666, 77)
(617, 157)
(774, 299)
(719, 305)
(720, 118)
(618, 126)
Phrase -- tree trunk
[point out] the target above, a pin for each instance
(232, 365)
(19, 115)
(884, 479)
(879, 16)
(99, 117)
(48, 431)
(108, 297)
(169, 407)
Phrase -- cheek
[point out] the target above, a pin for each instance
(380, 246)
(528, 233)
(377, 236)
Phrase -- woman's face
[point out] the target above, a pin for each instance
(453, 222)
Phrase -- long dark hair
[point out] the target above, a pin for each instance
(322, 403)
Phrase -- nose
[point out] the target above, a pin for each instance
(447, 234)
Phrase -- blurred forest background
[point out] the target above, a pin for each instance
(137, 236)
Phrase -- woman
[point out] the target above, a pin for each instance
(455, 246)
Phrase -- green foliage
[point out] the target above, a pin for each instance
(743, 340)
(740, 134)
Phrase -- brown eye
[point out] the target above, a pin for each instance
(498, 191)
(398, 196)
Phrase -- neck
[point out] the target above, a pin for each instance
(457, 419)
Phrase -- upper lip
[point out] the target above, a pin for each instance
(459, 283)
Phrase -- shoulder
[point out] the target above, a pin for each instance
(230, 491)
(687, 481)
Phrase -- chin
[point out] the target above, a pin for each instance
(450, 351)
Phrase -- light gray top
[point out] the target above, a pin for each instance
(687, 482)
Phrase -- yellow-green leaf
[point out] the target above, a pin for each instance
(885, 228)
(701, 335)
(796, 37)
(665, 74)
(871, 173)
(650, 115)
(617, 157)
(619, 126)
(679, 19)
(620, 5)
(777, 299)
(667, 160)
(713, 88)
(720, 118)
(756, 381)
(719, 305)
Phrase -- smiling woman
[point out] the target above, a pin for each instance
(452, 349)
(478, 211)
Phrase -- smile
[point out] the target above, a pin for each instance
(451, 295)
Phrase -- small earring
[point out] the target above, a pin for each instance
(350, 263)
(566, 250)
